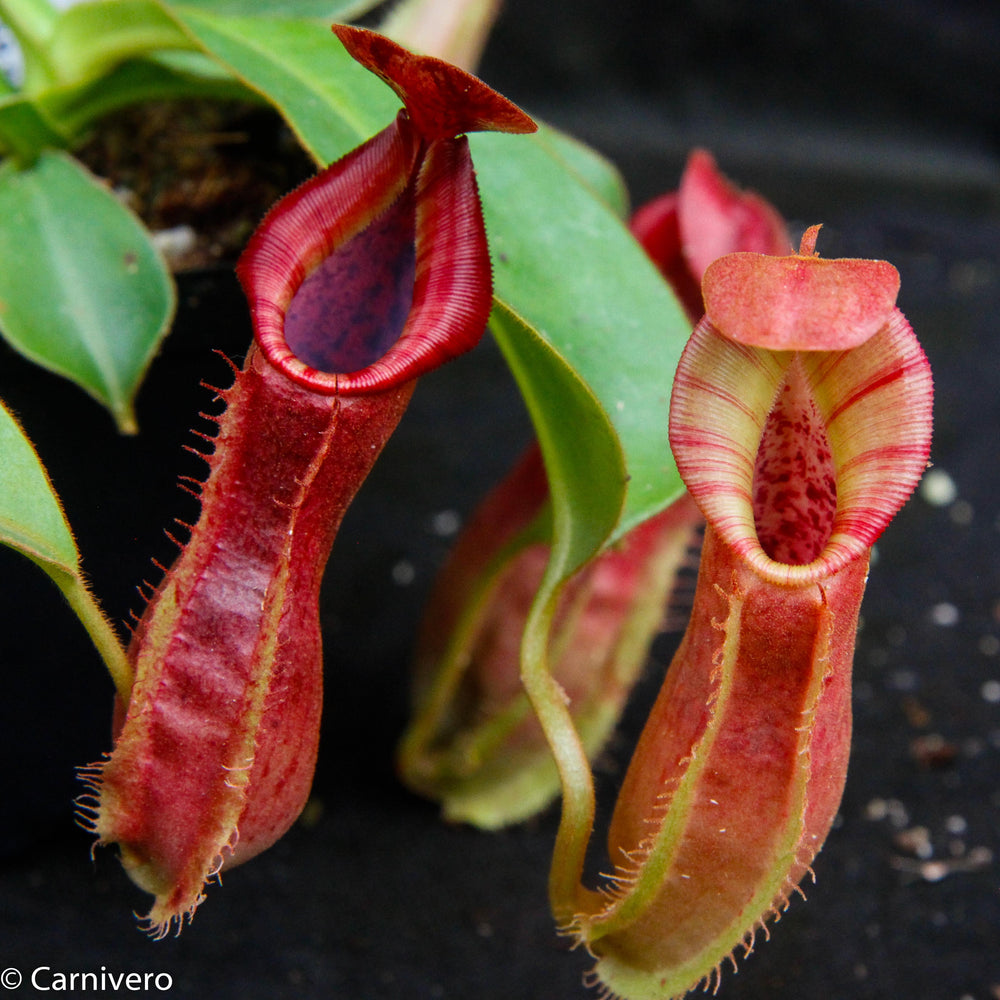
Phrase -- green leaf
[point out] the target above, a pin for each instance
(90, 39)
(568, 267)
(583, 461)
(32, 522)
(163, 76)
(26, 128)
(30, 20)
(591, 169)
(31, 519)
(61, 116)
(328, 100)
(32, 23)
(82, 290)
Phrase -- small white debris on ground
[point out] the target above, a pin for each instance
(918, 844)
(175, 242)
(956, 825)
(938, 488)
(991, 692)
(933, 871)
(945, 614)
(446, 523)
(890, 809)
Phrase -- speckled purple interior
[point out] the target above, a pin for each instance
(353, 307)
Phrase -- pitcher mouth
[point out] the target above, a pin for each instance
(870, 436)
(378, 270)
(324, 326)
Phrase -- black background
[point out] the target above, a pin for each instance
(878, 119)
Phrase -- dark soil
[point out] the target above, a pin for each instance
(200, 174)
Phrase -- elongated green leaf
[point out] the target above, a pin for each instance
(583, 460)
(328, 100)
(32, 23)
(591, 169)
(570, 269)
(60, 115)
(30, 20)
(164, 76)
(32, 522)
(90, 39)
(82, 290)
(26, 128)
(31, 519)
